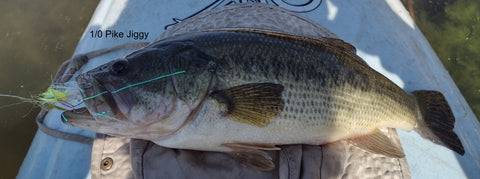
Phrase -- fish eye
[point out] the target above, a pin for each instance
(119, 67)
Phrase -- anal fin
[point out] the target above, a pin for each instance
(379, 143)
(253, 146)
(252, 155)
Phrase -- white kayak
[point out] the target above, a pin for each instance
(382, 31)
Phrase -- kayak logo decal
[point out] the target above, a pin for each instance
(296, 6)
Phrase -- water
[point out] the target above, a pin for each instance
(36, 37)
(453, 29)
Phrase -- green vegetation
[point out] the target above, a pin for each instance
(453, 30)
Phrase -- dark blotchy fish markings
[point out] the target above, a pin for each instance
(245, 91)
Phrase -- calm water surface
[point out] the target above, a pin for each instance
(36, 37)
(453, 29)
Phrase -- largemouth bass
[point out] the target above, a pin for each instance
(243, 92)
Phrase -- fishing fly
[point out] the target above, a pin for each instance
(58, 95)
(50, 99)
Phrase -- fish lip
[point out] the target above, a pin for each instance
(82, 113)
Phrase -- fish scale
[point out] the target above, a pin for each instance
(245, 91)
(341, 102)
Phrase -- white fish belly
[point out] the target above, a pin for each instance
(309, 117)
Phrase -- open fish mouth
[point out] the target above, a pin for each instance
(77, 116)
(101, 113)
(97, 98)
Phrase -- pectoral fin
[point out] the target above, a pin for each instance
(378, 143)
(252, 155)
(255, 103)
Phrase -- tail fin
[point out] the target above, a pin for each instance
(438, 120)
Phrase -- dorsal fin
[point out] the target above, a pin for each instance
(341, 43)
(330, 44)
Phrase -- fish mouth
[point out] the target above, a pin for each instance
(104, 97)
(97, 97)
(80, 115)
